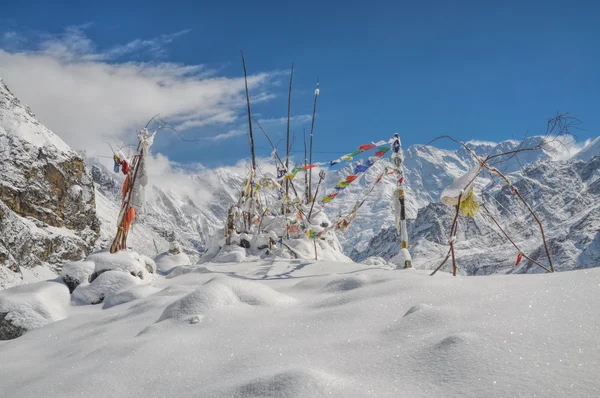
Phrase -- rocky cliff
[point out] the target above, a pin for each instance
(47, 204)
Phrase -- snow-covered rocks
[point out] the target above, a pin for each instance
(75, 273)
(106, 284)
(125, 261)
(31, 306)
(112, 274)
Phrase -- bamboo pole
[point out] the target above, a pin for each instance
(249, 116)
(312, 129)
(321, 177)
(287, 141)
(306, 196)
(276, 154)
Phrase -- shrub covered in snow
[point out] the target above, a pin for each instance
(289, 236)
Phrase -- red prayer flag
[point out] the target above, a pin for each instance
(379, 154)
(309, 166)
(351, 178)
(519, 258)
(366, 147)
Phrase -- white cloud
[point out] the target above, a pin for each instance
(229, 134)
(76, 92)
(295, 120)
(564, 147)
(480, 142)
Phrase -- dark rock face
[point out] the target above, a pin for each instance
(8, 331)
(47, 203)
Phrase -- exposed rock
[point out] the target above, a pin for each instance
(8, 331)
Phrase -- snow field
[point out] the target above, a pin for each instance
(303, 329)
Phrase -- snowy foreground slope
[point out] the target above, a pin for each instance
(309, 329)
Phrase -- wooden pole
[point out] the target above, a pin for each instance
(312, 130)
(452, 234)
(306, 196)
(287, 141)
(321, 177)
(249, 116)
(276, 154)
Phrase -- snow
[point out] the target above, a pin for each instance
(78, 271)
(589, 151)
(106, 284)
(35, 305)
(167, 261)
(298, 328)
(129, 294)
(124, 260)
(18, 121)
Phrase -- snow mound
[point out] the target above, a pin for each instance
(233, 254)
(186, 269)
(75, 273)
(221, 292)
(31, 306)
(375, 260)
(295, 383)
(106, 284)
(346, 283)
(125, 260)
(131, 294)
(165, 262)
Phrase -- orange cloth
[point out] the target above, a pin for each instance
(129, 216)
(125, 188)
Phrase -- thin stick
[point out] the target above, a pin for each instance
(287, 140)
(249, 116)
(312, 129)
(306, 198)
(452, 233)
(518, 194)
(321, 177)
(512, 242)
(452, 238)
(315, 243)
(276, 153)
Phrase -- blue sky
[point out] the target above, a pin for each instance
(469, 68)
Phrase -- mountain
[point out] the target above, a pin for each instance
(589, 151)
(53, 207)
(47, 202)
(565, 196)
